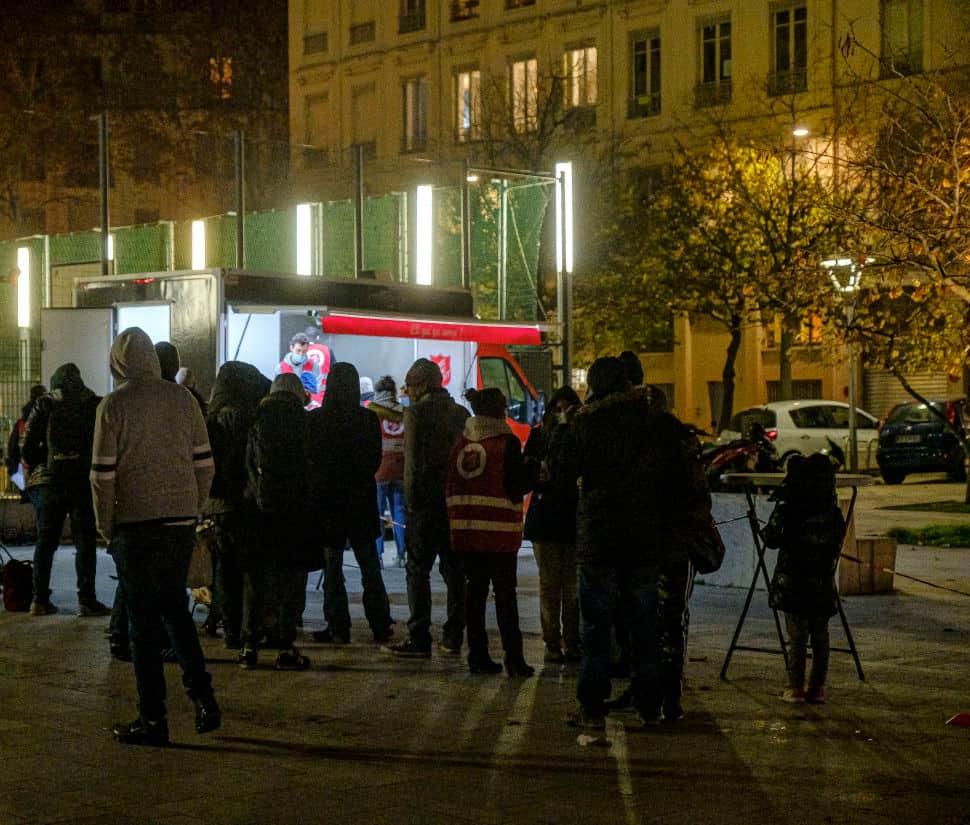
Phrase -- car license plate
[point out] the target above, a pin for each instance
(907, 439)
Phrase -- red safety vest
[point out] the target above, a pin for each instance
(392, 451)
(481, 515)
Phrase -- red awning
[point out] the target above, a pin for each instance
(481, 333)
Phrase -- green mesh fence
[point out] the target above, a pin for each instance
(141, 248)
(338, 239)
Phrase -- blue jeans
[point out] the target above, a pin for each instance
(153, 562)
(390, 497)
(603, 588)
(53, 503)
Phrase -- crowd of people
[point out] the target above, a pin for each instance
(616, 482)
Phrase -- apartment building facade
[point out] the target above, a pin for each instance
(410, 82)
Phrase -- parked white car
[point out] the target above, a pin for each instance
(805, 427)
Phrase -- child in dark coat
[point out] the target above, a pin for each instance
(808, 527)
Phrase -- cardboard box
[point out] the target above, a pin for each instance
(875, 554)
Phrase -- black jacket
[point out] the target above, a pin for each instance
(345, 452)
(236, 395)
(809, 539)
(60, 432)
(432, 425)
(639, 479)
(552, 511)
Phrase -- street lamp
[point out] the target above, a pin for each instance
(846, 275)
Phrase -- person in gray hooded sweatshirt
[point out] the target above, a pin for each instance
(150, 475)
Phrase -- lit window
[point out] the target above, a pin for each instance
(468, 105)
(524, 94)
(580, 71)
(220, 75)
(415, 114)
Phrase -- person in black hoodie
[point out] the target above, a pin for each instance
(277, 473)
(238, 389)
(550, 525)
(345, 452)
(57, 450)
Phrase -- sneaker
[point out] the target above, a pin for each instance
(553, 656)
(446, 649)
(408, 650)
(580, 718)
(793, 696)
(142, 732)
(291, 659)
(642, 721)
(382, 637)
(208, 717)
(673, 712)
(483, 665)
(248, 658)
(815, 695)
(331, 637)
(518, 667)
(43, 609)
(91, 610)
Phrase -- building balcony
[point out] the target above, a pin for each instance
(787, 83)
(413, 22)
(712, 94)
(362, 33)
(646, 105)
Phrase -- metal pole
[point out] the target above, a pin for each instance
(503, 255)
(853, 437)
(104, 184)
(240, 140)
(562, 299)
(358, 208)
(466, 228)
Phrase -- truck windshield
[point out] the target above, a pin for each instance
(497, 373)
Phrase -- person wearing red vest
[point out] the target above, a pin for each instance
(487, 479)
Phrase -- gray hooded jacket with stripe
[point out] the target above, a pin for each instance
(151, 458)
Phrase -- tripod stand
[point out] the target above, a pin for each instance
(750, 483)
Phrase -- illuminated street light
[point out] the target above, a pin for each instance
(564, 217)
(800, 132)
(198, 244)
(423, 227)
(23, 287)
(304, 239)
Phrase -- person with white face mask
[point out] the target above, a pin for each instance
(297, 361)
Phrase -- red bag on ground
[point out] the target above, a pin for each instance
(16, 583)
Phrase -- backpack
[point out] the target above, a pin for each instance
(70, 436)
(276, 454)
(16, 583)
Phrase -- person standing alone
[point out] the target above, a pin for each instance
(150, 475)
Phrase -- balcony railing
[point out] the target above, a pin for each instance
(362, 33)
(712, 94)
(904, 63)
(787, 83)
(643, 105)
(413, 22)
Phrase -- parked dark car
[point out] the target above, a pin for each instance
(915, 440)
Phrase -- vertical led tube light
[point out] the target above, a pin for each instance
(23, 287)
(304, 239)
(423, 225)
(198, 244)
(564, 217)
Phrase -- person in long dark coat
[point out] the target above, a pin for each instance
(345, 452)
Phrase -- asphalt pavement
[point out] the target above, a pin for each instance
(365, 738)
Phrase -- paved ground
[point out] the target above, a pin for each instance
(362, 738)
